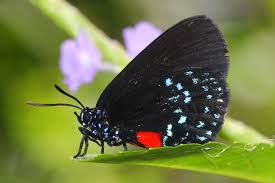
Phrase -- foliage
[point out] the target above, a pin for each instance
(237, 160)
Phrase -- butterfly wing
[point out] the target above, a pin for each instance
(176, 86)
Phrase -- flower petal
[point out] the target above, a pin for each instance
(79, 61)
(138, 37)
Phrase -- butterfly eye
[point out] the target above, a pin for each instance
(87, 117)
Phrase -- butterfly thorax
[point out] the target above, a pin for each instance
(96, 123)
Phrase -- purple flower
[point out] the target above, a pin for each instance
(80, 61)
(138, 37)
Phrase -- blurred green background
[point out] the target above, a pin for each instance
(36, 145)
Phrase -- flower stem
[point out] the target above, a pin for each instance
(72, 21)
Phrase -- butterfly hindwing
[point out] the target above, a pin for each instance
(176, 86)
(197, 103)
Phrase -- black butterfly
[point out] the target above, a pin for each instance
(174, 92)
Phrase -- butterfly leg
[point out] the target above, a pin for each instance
(93, 140)
(102, 146)
(80, 147)
(125, 146)
(140, 144)
(86, 147)
(86, 133)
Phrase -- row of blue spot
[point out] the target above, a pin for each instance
(169, 82)
(183, 119)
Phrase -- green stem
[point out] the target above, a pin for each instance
(72, 21)
(237, 131)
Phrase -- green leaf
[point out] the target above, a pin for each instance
(247, 161)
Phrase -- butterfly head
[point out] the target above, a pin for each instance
(85, 117)
(91, 117)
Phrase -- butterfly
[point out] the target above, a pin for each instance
(174, 92)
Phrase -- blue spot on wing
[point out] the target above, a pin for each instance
(169, 130)
(220, 100)
(219, 88)
(209, 97)
(188, 73)
(217, 116)
(201, 124)
(179, 86)
(206, 74)
(205, 88)
(178, 111)
(174, 98)
(209, 132)
(186, 93)
(187, 100)
(168, 82)
(201, 138)
(182, 119)
(206, 109)
(195, 80)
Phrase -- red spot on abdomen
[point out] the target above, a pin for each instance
(149, 139)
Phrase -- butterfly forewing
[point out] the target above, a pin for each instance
(176, 86)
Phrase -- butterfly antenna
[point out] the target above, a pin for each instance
(57, 104)
(65, 93)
